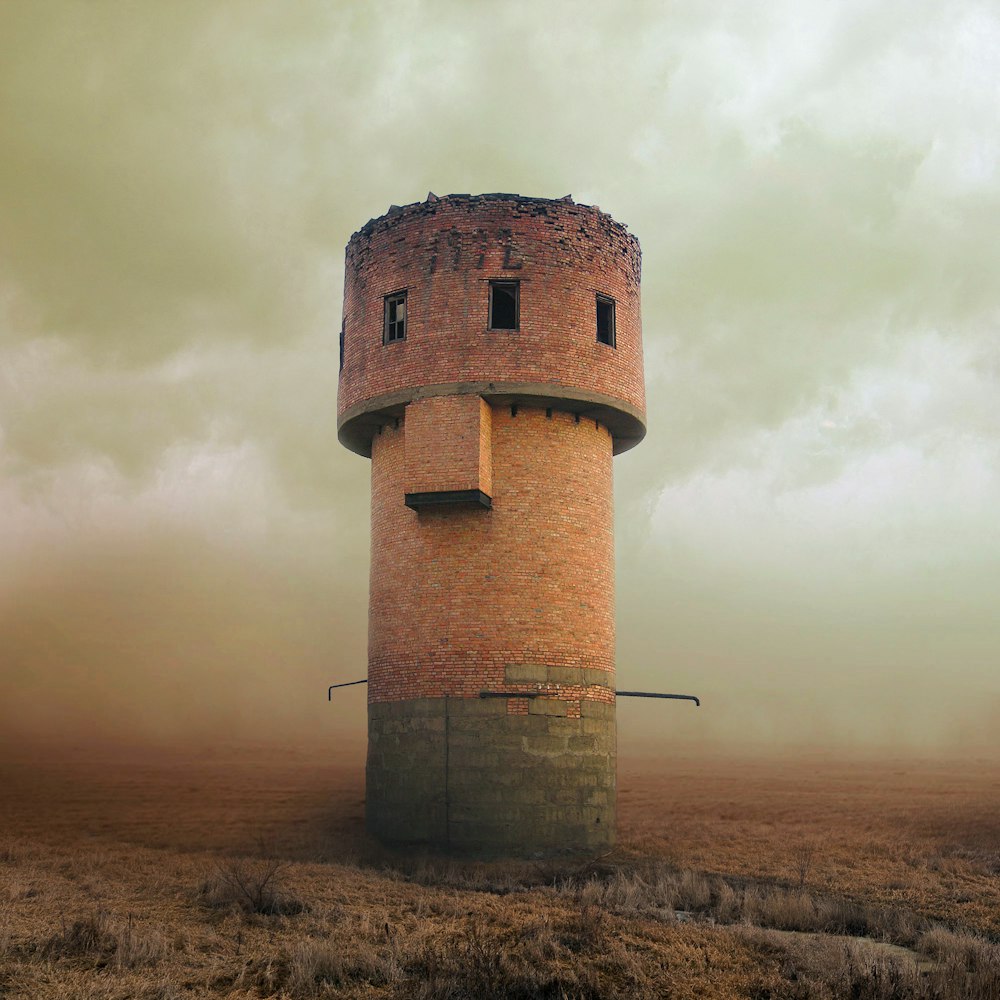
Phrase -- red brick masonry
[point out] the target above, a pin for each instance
(449, 445)
(460, 592)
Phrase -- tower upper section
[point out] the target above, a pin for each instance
(517, 300)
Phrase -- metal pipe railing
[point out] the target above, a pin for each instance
(538, 694)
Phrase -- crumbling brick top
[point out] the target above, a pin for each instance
(516, 204)
(436, 263)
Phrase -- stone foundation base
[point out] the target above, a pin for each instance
(463, 775)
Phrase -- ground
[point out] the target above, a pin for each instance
(244, 871)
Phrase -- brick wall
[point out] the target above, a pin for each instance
(458, 595)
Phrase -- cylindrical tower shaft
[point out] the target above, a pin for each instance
(491, 368)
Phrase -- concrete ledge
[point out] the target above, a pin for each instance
(358, 424)
(465, 498)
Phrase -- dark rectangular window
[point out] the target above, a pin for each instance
(341, 348)
(605, 320)
(504, 313)
(395, 318)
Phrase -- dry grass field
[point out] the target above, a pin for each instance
(245, 872)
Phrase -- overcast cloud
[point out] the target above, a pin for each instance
(808, 537)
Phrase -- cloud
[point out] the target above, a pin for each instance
(898, 466)
(815, 191)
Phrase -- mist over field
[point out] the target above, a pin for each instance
(808, 537)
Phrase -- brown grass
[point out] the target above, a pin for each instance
(253, 885)
(145, 877)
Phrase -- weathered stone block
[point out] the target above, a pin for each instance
(547, 745)
(477, 706)
(511, 783)
(548, 706)
(565, 675)
(526, 673)
(597, 710)
(603, 678)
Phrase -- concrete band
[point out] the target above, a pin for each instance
(463, 775)
(358, 424)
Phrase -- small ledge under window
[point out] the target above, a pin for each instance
(394, 327)
(606, 321)
(505, 305)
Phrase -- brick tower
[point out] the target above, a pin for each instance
(491, 365)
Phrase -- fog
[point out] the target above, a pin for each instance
(808, 537)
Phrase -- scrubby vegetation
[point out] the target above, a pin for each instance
(100, 899)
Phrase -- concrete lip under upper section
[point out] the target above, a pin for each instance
(358, 425)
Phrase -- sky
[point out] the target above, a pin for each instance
(808, 537)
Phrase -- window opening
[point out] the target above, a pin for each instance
(504, 304)
(341, 348)
(605, 320)
(395, 318)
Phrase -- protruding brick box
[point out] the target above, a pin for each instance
(449, 451)
(492, 541)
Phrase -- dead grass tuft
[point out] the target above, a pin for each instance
(666, 894)
(118, 945)
(964, 950)
(315, 966)
(90, 935)
(481, 964)
(10, 854)
(6, 934)
(822, 968)
(255, 886)
(139, 947)
(577, 957)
